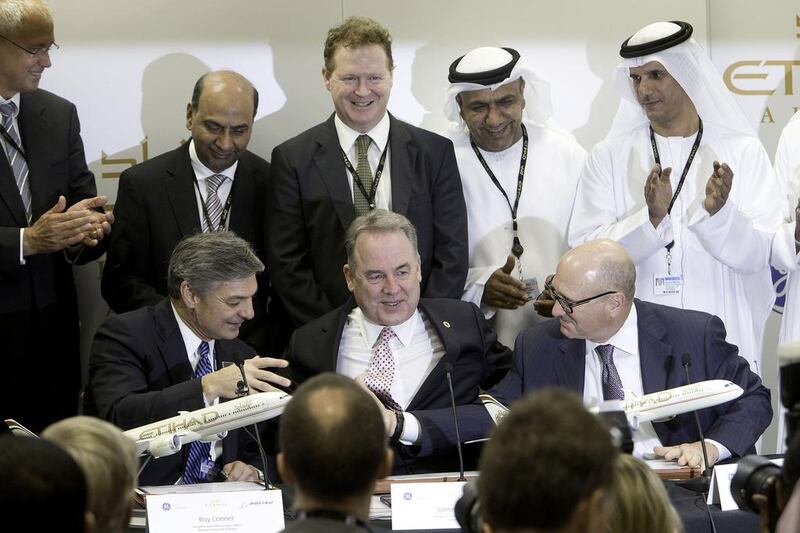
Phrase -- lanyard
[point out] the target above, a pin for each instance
(688, 164)
(516, 247)
(10, 141)
(378, 173)
(223, 218)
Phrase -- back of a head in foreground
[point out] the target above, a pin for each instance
(333, 438)
(41, 484)
(109, 462)
(547, 466)
(640, 501)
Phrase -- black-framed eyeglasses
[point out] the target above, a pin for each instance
(549, 293)
(40, 51)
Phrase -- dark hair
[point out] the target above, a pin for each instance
(356, 32)
(204, 260)
(42, 483)
(544, 457)
(197, 92)
(333, 438)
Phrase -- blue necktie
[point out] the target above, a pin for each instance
(199, 452)
(612, 384)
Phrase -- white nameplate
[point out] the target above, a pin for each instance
(720, 491)
(244, 511)
(425, 505)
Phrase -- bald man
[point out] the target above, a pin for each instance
(210, 183)
(604, 344)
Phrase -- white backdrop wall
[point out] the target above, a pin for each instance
(130, 67)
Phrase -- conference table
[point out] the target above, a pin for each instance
(690, 506)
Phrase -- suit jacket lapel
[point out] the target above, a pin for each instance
(571, 366)
(170, 344)
(403, 156)
(180, 187)
(244, 193)
(35, 132)
(9, 193)
(330, 166)
(452, 347)
(655, 356)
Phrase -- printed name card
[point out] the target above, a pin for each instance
(720, 491)
(425, 505)
(243, 511)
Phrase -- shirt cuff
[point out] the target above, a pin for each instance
(21, 257)
(410, 433)
(724, 453)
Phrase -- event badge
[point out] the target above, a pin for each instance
(531, 287)
(667, 285)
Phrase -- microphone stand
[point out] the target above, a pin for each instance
(448, 368)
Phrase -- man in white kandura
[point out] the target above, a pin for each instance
(662, 184)
(519, 173)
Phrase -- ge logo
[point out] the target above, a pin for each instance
(407, 496)
(166, 506)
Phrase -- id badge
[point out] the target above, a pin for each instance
(667, 285)
(531, 287)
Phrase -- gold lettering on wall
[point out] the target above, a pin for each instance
(128, 162)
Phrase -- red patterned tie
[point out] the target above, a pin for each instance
(380, 373)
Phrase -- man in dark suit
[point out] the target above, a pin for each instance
(359, 159)
(333, 450)
(50, 219)
(210, 183)
(594, 308)
(397, 344)
(148, 364)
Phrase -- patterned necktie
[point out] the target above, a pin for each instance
(612, 384)
(364, 172)
(16, 160)
(380, 373)
(199, 452)
(213, 203)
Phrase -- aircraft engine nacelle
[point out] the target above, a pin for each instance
(164, 445)
(214, 437)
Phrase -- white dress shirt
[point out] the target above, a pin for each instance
(380, 136)
(202, 172)
(416, 348)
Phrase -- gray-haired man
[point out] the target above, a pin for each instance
(152, 362)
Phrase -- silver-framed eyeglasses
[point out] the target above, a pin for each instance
(40, 51)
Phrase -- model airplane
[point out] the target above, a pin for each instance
(654, 407)
(166, 437)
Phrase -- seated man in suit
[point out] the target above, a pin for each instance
(397, 344)
(548, 467)
(210, 183)
(605, 345)
(333, 449)
(148, 364)
(323, 178)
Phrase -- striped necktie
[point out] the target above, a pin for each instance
(199, 460)
(213, 203)
(16, 159)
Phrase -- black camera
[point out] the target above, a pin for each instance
(759, 476)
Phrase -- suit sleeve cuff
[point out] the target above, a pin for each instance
(724, 453)
(21, 258)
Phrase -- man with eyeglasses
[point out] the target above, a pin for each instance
(50, 219)
(605, 345)
(360, 159)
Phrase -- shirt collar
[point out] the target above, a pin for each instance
(347, 135)
(190, 339)
(14, 99)
(201, 171)
(371, 331)
(626, 338)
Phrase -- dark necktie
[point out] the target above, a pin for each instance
(380, 373)
(612, 384)
(213, 203)
(364, 172)
(199, 460)
(16, 160)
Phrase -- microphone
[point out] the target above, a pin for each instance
(702, 483)
(448, 368)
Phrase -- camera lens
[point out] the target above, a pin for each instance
(754, 475)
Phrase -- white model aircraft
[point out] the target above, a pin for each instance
(167, 436)
(654, 407)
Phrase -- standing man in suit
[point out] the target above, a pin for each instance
(398, 344)
(359, 159)
(148, 364)
(50, 219)
(210, 183)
